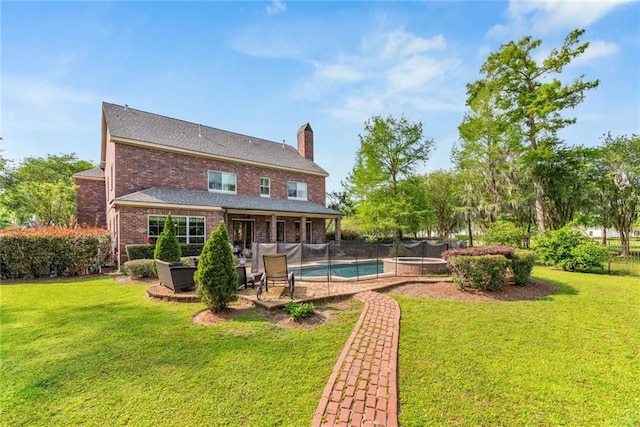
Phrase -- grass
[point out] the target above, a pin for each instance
(572, 358)
(94, 352)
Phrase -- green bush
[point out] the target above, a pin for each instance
(52, 251)
(570, 249)
(522, 263)
(191, 249)
(484, 272)
(503, 233)
(139, 251)
(216, 277)
(146, 251)
(586, 257)
(299, 311)
(167, 246)
(140, 268)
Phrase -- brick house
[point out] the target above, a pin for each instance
(151, 165)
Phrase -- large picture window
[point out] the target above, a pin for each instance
(222, 181)
(297, 190)
(189, 229)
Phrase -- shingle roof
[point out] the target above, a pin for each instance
(95, 173)
(137, 125)
(169, 196)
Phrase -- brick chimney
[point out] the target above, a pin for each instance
(305, 141)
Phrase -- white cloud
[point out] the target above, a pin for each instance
(597, 49)
(276, 7)
(543, 17)
(399, 44)
(331, 73)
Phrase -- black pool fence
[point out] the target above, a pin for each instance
(354, 260)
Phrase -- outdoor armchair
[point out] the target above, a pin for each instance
(276, 271)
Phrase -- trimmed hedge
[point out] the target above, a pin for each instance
(139, 268)
(477, 267)
(146, 251)
(484, 272)
(521, 266)
(52, 252)
(506, 251)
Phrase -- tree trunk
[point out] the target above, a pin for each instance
(539, 203)
(624, 241)
(470, 234)
(604, 236)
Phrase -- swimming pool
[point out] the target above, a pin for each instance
(350, 270)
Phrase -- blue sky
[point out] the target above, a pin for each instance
(265, 68)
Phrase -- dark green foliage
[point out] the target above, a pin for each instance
(504, 233)
(139, 251)
(140, 268)
(192, 249)
(299, 311)
(167, 246)
(216, 277)
(147, 251)
(522, 264)
(570, 249)
(52, 251)
(484, 272)
(586, 257)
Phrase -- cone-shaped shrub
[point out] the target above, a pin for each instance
(216, 277)
(167, 247)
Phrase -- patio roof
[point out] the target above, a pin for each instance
(204, 200)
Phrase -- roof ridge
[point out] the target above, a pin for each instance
(126, 107)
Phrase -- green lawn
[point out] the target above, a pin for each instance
(572, 358)
(94, 352)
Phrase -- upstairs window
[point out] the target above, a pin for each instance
(265, 187)
(223, 182)
(297, 190)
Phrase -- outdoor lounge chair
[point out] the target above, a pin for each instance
(175, 275)
(276, 271)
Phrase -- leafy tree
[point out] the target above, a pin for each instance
(566, 177)
(340, 201)
(504, 232)
(216, 277)
(440, 191)
(532, 99)
(620, 183)
(167, 246)
(390, 149)
(41, 189)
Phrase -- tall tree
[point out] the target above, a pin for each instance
(620, 183)
(533, 98)
(42, 190)
(440, 190)
(390, 149)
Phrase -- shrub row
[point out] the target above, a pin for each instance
(146, 251)
(486, 268)
(51, 252)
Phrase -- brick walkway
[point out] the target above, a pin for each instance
(363, 389)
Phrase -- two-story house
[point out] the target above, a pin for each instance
(152, 165)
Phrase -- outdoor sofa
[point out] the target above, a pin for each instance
(175, 275)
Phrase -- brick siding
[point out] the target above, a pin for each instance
(91, 202)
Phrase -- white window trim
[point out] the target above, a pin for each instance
(223, 191)
(187, 218)
(260, 184)
(298, 183)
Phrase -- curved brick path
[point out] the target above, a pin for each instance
(363, 389)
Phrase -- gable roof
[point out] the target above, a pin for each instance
(96, 174)
(138, 127)
(205, 200)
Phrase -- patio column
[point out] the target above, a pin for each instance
(303, 229)
(338, 231)
(274, 229)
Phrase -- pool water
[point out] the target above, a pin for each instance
(341, 270)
